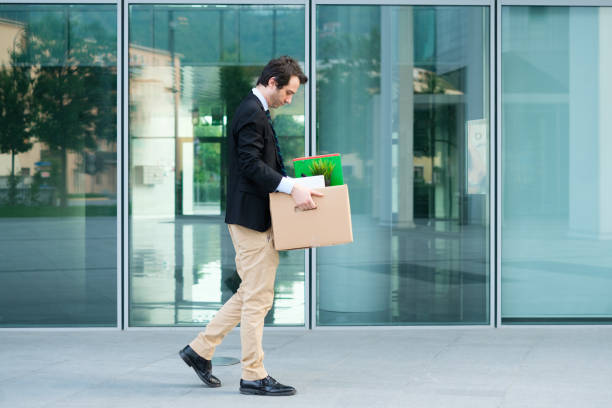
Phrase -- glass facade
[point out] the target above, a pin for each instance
(58, 165)
(183, 94)
(557, 175)
(403, 92)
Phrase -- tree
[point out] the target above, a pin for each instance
(74, 108)
(236, 81)
(16, 113)
(290, 137)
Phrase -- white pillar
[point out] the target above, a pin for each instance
(590, 124)
(605, 122)
(384, 118)
(187, 178)
(405, 120)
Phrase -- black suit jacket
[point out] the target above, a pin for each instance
(254, 166)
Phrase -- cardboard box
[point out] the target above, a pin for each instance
(328, 224)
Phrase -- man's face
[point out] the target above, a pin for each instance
(284, 95)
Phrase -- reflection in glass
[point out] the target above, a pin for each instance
(58, 166)
(402, 94)
(556, 167)
(189, 68)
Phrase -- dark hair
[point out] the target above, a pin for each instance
(281, 69)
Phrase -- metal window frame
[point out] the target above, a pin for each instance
(554, 3)
(490, 4)
(59, 2)
(125, 68)
(125, 166)
(498, 156)
(493, 226)
(307, 139)
(406, 3)
(121, 184)
(188, 3)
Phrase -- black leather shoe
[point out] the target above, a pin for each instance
(201, 366)
(265, 386)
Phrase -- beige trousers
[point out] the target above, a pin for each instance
(256, 262)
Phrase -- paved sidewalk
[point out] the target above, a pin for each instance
(447, 367)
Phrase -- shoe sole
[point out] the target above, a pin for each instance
(247, 391)
(187, 361)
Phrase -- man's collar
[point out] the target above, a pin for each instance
(261, 98)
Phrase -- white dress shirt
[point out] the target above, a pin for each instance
(286, 184)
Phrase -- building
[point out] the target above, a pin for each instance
(474, 136)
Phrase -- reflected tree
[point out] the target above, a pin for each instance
(236, 82)
(74, 89)
(291, 138)
(16, 115)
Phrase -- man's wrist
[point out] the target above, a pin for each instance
(286, 185)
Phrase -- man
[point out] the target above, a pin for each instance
(255, 169)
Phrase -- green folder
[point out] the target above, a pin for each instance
(329, 165)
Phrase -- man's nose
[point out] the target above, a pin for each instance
(288, 99)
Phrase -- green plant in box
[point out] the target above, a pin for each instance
(322, 168)
(329, 166)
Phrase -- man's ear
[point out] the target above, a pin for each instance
(272, 82)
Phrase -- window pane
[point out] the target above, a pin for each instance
(189, 69)
(58, 165)
(556, 167)
(402, 94)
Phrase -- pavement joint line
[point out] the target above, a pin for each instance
(286, 343)
(29, 373)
